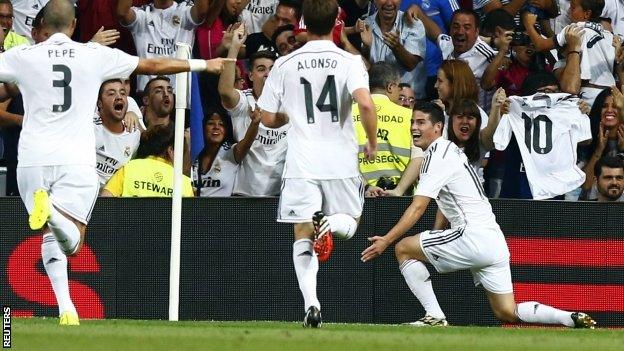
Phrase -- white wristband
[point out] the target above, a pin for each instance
(197, 65)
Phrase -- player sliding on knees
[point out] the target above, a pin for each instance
(474, 240)
(59, 80)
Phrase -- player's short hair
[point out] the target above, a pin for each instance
(435, 113)
(146, 91)
(595, 6)
(294, 4)
(405, 85)
(262, 54)
(58, 14)
(320, 16)
(607, 161)
(116, 80)
(472, 13)
(497, 18)
(156, 140)
(38, 19)
(381, 74)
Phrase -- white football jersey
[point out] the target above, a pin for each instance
(614, 9)
(113, 150)
(447, 176)
(260, 172)
(157, 31)
(24, 13)
(598, 53)
(257, 13)
(313, 86)
(219, 180)
(548, 128)
(59, 80)
(478, 57)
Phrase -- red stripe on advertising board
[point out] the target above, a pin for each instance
(566, 252)
(573, 297)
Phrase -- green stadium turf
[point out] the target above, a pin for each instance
(44, 334)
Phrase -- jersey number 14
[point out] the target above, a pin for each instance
(533, 135)
(329, 89)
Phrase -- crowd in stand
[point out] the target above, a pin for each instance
(528, 89)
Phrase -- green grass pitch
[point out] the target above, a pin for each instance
(34, 334)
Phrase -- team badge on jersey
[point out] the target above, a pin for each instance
(158, 176)
(176, 20)
(127, 151)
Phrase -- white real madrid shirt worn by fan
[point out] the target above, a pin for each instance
(597, 59)
(219, 180)
(260, 172)
(113, 150)
(156, 32)
(59, 80)
(257, 13)
(548, 128)
(320, 145)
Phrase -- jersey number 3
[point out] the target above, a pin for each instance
(329, 88)
(63, 83)
(532, 133)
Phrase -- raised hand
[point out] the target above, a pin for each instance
(106, 37)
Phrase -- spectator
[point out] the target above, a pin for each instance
(456, 81)
(394, 136)
(406, 96)
(159, 26)
(288, 12)
(25, 12)
(388, 37)
(11, 38)
(158, 101)
(589, 50)
(464, 43)
(607, 138)
(96, 15)
(260, 174)
(257, 13)
(210, 35)
(151, 173)
(284, 40)
(614, 10)
(440, 11)
(214, 171)
(114, 146)
(609, 178)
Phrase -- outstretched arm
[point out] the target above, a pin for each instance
(163, 65)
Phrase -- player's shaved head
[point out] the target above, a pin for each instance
(59, 15)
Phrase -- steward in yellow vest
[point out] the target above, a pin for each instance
(394, 139)
(152, 174)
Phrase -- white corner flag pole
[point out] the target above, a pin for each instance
(183, 82)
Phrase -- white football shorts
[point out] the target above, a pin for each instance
(481, 250)
(300, 198)
(73, 189)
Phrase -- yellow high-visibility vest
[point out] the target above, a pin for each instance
(394, 140)
(146, 177)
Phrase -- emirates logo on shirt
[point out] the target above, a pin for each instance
(176, 20)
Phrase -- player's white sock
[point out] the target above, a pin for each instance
(66, 232)
(55, 263)
(535, 312)
(419, 281)
(342, 225)
(306, 266)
